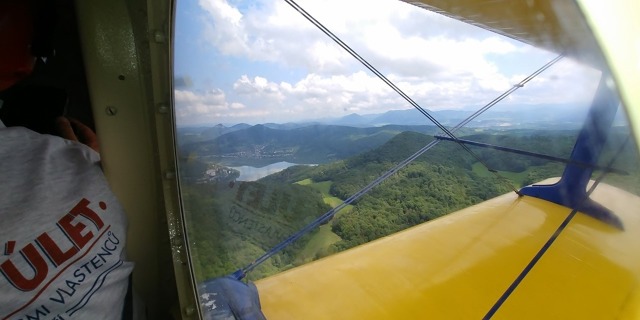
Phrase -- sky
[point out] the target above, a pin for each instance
(239, 61)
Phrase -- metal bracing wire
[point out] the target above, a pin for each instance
(395, 88)
(241, 273)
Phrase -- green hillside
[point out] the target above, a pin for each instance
(231, 223)
(260, 145)
(439, 182)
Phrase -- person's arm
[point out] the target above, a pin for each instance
(75, 130)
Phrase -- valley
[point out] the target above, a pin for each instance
(233, 220)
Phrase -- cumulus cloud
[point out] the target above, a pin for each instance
(439, 62)
(567, 82)
(228, 32)
(392, 34)
(205, 107)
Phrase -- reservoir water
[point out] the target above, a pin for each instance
(248, 173)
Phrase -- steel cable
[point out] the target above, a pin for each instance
(241, 273)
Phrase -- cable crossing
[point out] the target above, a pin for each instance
(392, 85)
(242, 273)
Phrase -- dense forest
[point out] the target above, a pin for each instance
(231, 223)
(317, 144)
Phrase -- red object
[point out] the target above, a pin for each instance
(16, 33)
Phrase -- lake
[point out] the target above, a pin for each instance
(248, 173)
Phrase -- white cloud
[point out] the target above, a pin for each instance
(227, 34)
(385, 32)
(566, 82)
(439, 62)
(205, 107)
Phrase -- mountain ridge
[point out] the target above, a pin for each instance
(261, 144)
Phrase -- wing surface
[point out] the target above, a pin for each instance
(459, 266)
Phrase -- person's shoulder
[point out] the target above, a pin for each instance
(21, 142)
(63, 228)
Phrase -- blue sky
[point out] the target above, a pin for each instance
(260, 61)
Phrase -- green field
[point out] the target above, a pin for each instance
(318, 246)
(322, 240)
(305, 182)
(324, 187)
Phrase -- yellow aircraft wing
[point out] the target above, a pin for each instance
(461, 265)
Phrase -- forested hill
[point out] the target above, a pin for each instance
(231, 223)
(439, 182)
(315, 144)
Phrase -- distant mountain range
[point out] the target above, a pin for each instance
(188, 135)
(328, 140)
(560, 116)
(521, 117)
(264, 144)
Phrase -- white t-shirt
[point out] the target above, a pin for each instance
(62, 231)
